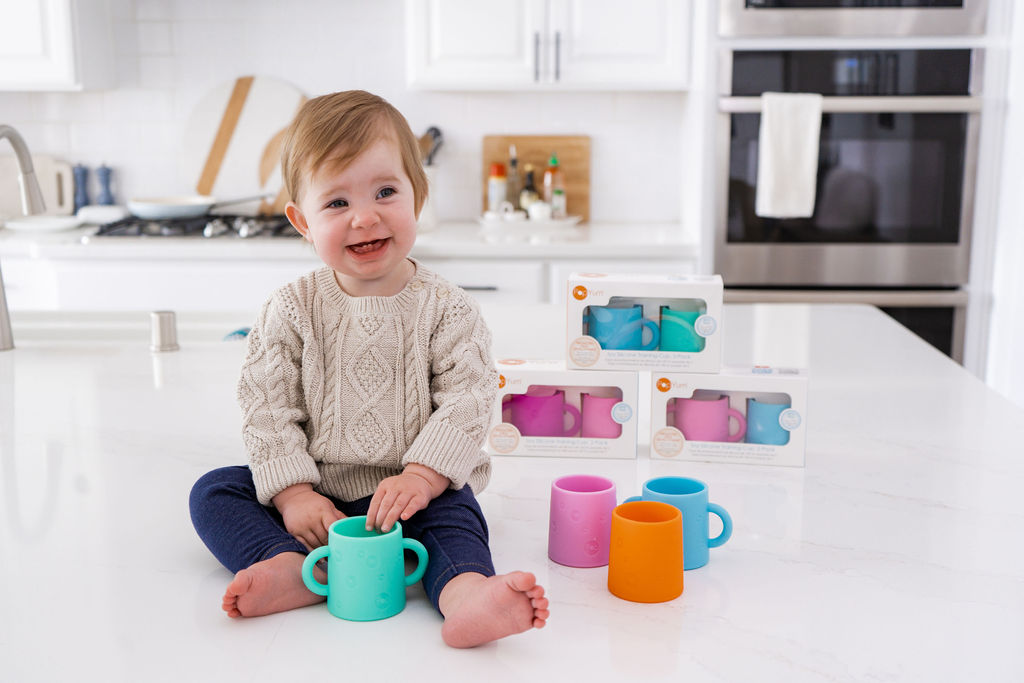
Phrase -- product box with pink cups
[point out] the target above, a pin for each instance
(543, 409)
(741, 415)
(664, 323)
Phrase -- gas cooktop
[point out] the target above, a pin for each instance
(208, 227)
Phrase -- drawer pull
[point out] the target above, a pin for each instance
(479, 288)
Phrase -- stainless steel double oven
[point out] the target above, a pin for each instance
(897, 161)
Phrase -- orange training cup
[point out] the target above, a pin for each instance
(645, 562)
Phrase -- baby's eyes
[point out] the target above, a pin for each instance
(386, 192)
(337, 204)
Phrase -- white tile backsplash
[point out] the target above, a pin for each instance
(168, 54)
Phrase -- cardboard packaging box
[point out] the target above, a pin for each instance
(545, 409)
(753, 415)
(664, 323)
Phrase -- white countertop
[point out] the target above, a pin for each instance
(897, 554)
(449, 240)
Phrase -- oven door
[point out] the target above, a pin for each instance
(851, 18)
(894, 200)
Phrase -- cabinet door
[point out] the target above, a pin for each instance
(635, 45)
(472, 45)
(37, 45)
(55, 45)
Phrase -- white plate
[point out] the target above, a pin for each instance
(43, 223)
(530, 224)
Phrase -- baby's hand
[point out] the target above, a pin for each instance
(402, 496)
(307, 515)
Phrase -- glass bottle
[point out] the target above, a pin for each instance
(529, 195)
(554, 187)
(512, 181)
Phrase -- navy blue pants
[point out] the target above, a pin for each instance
(240, 532)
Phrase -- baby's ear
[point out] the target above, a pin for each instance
(297, 219)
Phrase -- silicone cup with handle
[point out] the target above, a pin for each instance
(371, 594)
(541, 415)
(691, 497)
(617, 328)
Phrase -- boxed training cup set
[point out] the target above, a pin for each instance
(545, 409)
(744, 415)
(617, 325)
(665, 323)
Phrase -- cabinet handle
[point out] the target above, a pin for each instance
(479, 288)
(536, 56)
(558, 54)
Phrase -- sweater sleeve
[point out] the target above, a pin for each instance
(273, 408)
(463, 388)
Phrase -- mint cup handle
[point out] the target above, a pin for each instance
(307, 570)
(655, 335)
(726, 525)
(421, 560)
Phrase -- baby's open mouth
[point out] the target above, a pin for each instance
(367, 247)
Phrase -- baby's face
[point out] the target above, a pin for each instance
(361, 220)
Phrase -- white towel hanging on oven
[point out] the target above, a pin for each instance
(787, 157)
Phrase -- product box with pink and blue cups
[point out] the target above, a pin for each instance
(741, 415)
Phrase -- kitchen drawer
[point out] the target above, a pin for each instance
(561, 270)
(29, 284)
(504, 281)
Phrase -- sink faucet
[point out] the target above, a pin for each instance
(31, 202)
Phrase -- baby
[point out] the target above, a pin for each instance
(367, 388)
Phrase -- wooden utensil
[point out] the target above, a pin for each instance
(573, 153)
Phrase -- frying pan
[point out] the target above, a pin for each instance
(190, 206)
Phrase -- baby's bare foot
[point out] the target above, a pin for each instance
(479, 609)
(273, 585)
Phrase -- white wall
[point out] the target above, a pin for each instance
(1005, 367)
(170, 52)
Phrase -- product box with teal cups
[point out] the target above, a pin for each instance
(754, 416)
(668, 323)
(544, 409)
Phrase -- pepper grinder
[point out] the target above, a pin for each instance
(105, 197)
(81, 175)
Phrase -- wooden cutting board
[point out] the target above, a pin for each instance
(233, 139)
(573, 153)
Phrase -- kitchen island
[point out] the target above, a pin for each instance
(896, 554)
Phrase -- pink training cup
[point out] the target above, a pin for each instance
(541, 415)
(597, 417)
(708, 420)
(581, 520)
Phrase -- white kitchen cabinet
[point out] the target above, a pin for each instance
(548, 44)
(55, 45)
(487, 280)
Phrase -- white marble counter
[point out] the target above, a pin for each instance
(897, 554)
(449, 240)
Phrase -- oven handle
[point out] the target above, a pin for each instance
(923, 298)
(841, 105)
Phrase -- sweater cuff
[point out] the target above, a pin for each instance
(446, 450)
(276, 475)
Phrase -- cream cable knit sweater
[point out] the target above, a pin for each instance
(342, 391)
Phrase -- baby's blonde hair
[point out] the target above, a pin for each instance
(334, 129)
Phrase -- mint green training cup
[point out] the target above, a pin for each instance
(366, 578)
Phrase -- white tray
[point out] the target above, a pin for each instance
(530, 225)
